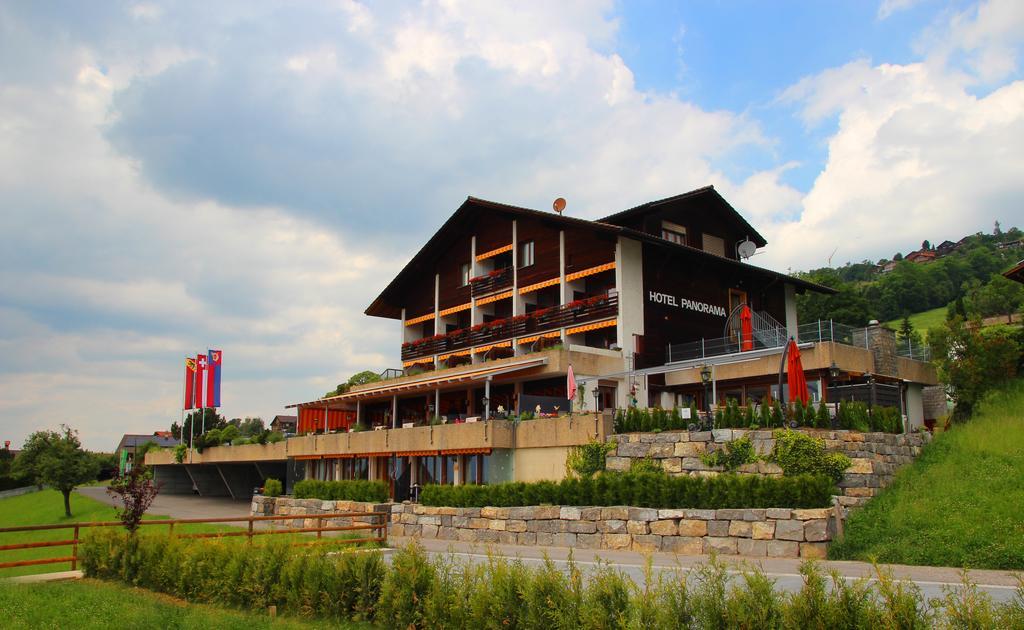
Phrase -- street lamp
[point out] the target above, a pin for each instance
(705, 378)
(833, 371)
(597, 399)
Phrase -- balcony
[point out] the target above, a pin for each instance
(491, 283)
(581, 311)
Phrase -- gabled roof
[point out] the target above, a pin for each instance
(707, 193)
(387, 303)
(138, 439)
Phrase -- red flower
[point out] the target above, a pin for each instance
(576, 303)
(496, 273)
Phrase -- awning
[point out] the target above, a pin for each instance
(429, 382)
(466, 451)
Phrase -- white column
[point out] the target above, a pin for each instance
(517, 301)
(562, 287)
(394, 412)
(437, 402)
(437, 304)
(359, 412)
(487, 395)
(792, 326)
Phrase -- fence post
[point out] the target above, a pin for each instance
(319, 526)
(819, 331)
(249, 533)
(74, 551)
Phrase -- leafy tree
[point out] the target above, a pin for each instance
(56, 459)
(971, 360)
(230, 433)
(898, 257)
(213, 420)
(141, 450)
(361, 378)
(107, 463)
(249, 426)
(926, 246)
(1000, 296)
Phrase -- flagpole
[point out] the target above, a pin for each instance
(181, 430)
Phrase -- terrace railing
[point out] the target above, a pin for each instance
(580, 311)
(491, 282)
(765, 338)
(360, 521)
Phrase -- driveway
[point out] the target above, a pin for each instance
(180, 506)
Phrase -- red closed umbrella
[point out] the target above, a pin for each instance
(746, 329)
(795, 375)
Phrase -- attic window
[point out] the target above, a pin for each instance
(673, 232)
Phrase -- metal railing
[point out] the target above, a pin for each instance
(913, 349)
(491, 282)
(249, 533)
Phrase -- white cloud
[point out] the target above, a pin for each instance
(888, 7)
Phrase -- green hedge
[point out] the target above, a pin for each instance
(644, 490)
(416, 591)
(355, 490)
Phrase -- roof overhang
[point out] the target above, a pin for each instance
(429, 382)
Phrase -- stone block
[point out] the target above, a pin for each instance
(661, 450)
(412, 530)
(740, 529)
(547, 512)
(446, 533)
(545, 539)
(762, 530)
(410, 519)
(581, 527)
(783, 549)
(507, 538)
(860, 466)
(428, 531)
(589, 541)
(701, 515)
(637, 528)
(590, 514)
(494, 512)
(755, 514)
(789, 530)
(497, 524)
(729, 515)
(701, 436)
(816, 550)
(666, 514)
(686, 545)
(720, 544)
(430, 520)
(547, 527)
(718, 528)
(526, 538)
(460, 521)
(617, 541)
(816, 530)
(806, 515)
(615, 513)
(752, 548)
(691, 463)
(396, 529)
(688, 449)
(521, 513)
(516, 526)
(664, 528)
(633, 449)
(672, 465)
(778, 513)
(642, 514)
(647, 543)
(722, 435)
(859, 492)
(612, 526)
(692, 527)
(570, 514)
(446, 520)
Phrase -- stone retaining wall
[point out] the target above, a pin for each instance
(306, 510)
(760, 533)
(875, 456)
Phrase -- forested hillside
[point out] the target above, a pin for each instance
(966, 278)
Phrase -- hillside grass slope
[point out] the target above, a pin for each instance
(960, 504)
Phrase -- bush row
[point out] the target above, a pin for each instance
(354, 490)
(418, 592)
(644, 489)
(851, 415)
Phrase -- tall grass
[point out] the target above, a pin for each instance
(960, 504)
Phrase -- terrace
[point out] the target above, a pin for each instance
(542, 320)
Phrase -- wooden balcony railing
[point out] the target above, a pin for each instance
(580, 311)
(491, 282)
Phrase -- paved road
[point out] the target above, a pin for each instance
(1001, 585)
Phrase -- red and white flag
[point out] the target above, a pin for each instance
(570, 384)
(201, 364)
(190, 384)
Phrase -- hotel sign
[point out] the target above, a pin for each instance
(686, 303)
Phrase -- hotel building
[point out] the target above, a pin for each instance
(498, 304)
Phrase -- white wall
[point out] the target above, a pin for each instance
(915, 405)
(629, 280)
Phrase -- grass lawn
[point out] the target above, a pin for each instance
(922, 321)
(97, 604)
(960, 504)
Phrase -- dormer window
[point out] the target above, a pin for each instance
(673, 232)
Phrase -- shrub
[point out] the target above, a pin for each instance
(585, 460)
(643, 490)
(632, 420)
(136, 492)
(272, 488)
(732, 455)
(355, 490)
(645, 465)
(799, 454)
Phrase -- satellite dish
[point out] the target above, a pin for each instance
(746, 248)
(559, 205)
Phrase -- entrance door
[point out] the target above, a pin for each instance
(736, 298)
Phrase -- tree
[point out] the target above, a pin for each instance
(213, 420)
(971, 360)
(361, 378)
(907, 336)
(56, 459)
(249, 427)
(898, 257)
(136, 492)
(1000, 296)
(926, 246)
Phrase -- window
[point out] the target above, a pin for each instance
(714, 244)
(673, 232)
(466, 269)
(526, 254)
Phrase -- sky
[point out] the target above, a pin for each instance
(248, 176)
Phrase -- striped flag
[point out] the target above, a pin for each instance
(215, 359)
(190, 384)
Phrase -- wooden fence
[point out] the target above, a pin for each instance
(377, 522)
